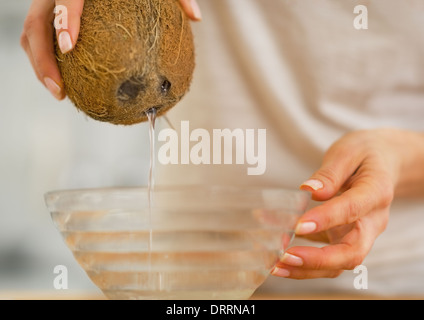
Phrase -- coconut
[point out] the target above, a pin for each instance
(130, 57)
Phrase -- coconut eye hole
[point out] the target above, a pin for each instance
(130, 89)
(165, 86)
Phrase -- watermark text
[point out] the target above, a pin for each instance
(223, 146)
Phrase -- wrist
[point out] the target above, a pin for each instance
(410, 148)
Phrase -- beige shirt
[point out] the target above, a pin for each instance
(302, 71)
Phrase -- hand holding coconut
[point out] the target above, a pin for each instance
(130, 56)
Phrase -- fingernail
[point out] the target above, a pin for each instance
(53, 87)
(279, 272)
(65, 42)
(312, 184)
(292, 260)
(306, 228)
(196, 10)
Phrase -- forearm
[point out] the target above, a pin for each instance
(410, 181)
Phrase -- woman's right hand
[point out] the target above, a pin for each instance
(37, 40)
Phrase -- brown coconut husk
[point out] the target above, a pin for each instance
(131, 56)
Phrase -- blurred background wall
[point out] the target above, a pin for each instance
(47, 145)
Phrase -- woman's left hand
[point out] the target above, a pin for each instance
(360, 175)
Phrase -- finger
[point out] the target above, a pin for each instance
(192, 9)
(67, 23)
(311, 262)
(345, 255)
(368, 193)
(339, 163)
(37, 40)
(48, 82)
(27, 49)
(300, 274)
(341, 256)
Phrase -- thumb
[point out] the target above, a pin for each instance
(192, 9)
(338, 165)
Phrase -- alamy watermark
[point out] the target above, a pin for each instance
(360, 22)
(360, 282)
(61, 17)
(221, 146)
(60, 282)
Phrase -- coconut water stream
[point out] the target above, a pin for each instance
(151, 115)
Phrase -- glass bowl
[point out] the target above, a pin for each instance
(185, 242)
